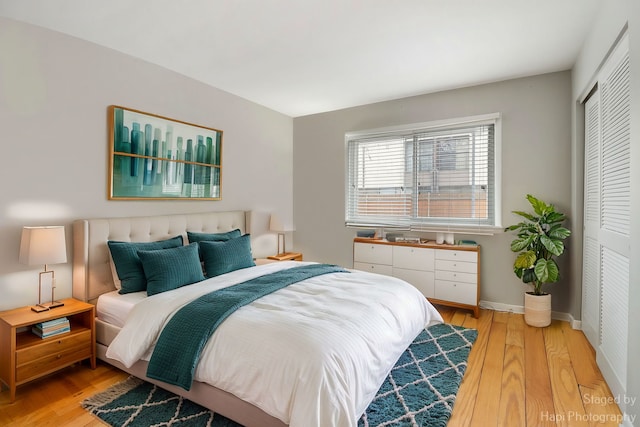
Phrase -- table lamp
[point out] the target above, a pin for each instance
(44, 245)
(275, 224)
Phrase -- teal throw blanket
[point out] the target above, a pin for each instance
(181, 341)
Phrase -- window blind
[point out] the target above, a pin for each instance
(424, 177)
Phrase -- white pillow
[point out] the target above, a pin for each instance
(114, 273)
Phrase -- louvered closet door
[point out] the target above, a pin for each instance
(591, 246)
(607, 214)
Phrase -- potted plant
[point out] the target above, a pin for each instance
(539, 239)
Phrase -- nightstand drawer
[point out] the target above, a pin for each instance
(53, 361)
(54, 345)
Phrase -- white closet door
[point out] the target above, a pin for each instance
(591, 246)
(607, 217)
(615, 218)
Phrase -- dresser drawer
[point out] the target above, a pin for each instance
(467, 256)
(454, 276)
(373, 268)
(372, 253)
(459, 266)
(421, 280)
(463, 293)
(53, 362)
(413, 258)
(53, 345)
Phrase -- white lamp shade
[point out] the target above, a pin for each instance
(43, 245)
(275, 224)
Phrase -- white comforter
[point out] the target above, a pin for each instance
(313, 354)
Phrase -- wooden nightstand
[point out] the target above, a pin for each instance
(287, 256)
(24, 356)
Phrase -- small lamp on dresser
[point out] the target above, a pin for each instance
(44, 245)
(275, 224)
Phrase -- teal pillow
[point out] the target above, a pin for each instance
(213, 237)
(224, 257)
(167, 269)
(127, 263)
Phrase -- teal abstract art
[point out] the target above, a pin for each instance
(154, 157)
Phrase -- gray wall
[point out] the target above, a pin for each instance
(54, 93)
(611, 20)
(536, 159)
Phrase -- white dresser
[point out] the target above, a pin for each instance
(446, 274)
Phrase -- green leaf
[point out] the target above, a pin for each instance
(518, 272)
(539, 207)
(546, 270)
(526, 215)
(519, 244)
(554, 217)
(525, 260)
(556, 247)
(559, 232)
(513, 227)
(529, 275)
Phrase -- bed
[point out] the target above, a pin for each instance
(311, 354)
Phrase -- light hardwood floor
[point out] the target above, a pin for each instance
(517, 376)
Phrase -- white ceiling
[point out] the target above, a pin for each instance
(301, 57)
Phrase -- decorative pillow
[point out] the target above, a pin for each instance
(213, 237)
(224, 257)
(167, 269)
(127, 263)
(114, 273)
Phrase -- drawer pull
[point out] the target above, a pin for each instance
(59, 356)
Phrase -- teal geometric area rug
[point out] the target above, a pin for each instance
(422, 386)
(419, 391)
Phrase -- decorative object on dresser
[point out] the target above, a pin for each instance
(25, 356)
(539, 239)
(445, 274)
(42, 246)
(154, 157)
(276, 224)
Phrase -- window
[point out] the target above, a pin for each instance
(426, 177)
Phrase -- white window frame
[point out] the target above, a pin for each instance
(431, 225)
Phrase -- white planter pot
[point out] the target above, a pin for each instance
(537, 309)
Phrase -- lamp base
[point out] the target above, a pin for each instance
(39, 308)
(53, 304)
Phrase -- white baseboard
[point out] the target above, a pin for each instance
(498, 306)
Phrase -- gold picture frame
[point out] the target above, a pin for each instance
(152, 157)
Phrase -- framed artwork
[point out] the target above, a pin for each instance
(154, 157)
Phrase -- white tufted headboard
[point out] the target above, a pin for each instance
(91, 267)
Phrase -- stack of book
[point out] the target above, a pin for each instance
(51, 328)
